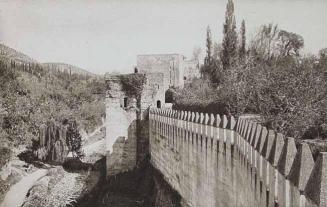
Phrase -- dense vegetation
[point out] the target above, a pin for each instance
(269, 77)
(31, 95)
(133, 84)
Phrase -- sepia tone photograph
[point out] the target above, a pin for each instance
(163, 103)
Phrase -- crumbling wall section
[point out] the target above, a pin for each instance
(120, 128)
(127, 134)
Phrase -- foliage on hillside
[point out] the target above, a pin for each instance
(64, 67)
(271, 79)
(12, 54)
(31, 95)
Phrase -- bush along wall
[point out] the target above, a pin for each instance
(52, 146)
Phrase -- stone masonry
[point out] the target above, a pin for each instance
(126, 137)
(211, 160)
(175, 68)
(214, 160)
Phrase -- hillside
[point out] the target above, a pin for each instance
(12, 54)
(31, 94)
(8, 54)
(68, 68)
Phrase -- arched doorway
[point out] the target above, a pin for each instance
(158, 104)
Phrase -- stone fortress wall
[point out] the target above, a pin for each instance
(191, 70)
(153, 91)
(127, 137)
(214, 160)
(120, 128)
(175, 68)
(126, 134)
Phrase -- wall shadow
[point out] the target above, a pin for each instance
(143, 186)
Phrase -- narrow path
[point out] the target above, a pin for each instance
(94, 147)
(17, 193)
(96, 130)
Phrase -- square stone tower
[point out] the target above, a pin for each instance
(128, 98)
(174, 67)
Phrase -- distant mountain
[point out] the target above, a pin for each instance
(8, 54)
(12, 54)
(67, 68)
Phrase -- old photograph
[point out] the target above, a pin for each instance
(163, 103)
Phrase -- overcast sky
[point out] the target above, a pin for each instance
(103, 35)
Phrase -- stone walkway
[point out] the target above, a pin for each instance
(17, 193)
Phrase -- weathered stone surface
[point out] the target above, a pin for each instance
(279, 148)
(270, 140)
(247, 130)
(127, 137)
(212, 119)
(316, 188)
(239, 125)
(252, 133)
(206, 118)
(231, 123)
(260, 168)
(172, 66)
(263, 138)
(302, 167)
(256, 144)
(244, 127)
(218, 120)
(287, 156)
(224, 121)
(211, 173)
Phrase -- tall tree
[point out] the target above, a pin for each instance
(242, 49)
(271, 43)
(264, 42)
(210, 69)
(229, 44)
(208, 58)
(216, 51)
(207, 68)
(289, 43)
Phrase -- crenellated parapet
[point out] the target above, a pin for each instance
(215, 160)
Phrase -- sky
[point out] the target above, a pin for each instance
(107, 35)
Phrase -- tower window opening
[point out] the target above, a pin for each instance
(158, 104)
(125, 102)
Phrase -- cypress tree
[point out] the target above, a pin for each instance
(208, 58)
(242, 49)
(229, 44)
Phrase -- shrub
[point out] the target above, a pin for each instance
(133, 84)
(5, 154)
(74, 140)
